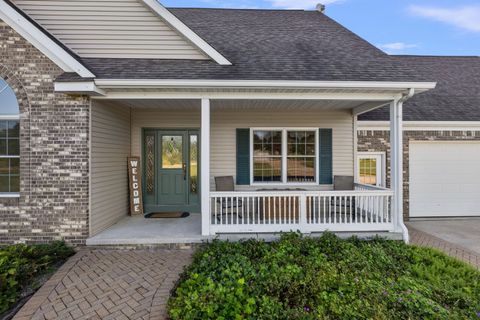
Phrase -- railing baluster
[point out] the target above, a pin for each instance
(263, 203)
(350, 202)
(215, 210)
(324, 213)
(334, 209)
(275, 220)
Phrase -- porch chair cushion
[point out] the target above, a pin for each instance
(224, 183)
(343, 183)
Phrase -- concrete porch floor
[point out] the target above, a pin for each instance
(138, 231)
(141, 231)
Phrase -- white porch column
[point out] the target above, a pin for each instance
(205, 165)
(396, 166)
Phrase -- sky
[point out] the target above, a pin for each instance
(424, 27)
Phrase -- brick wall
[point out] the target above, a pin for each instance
(379, 141)
(54, 150)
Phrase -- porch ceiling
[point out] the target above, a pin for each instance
(192, 105)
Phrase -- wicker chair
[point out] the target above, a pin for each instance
(343, 183)
(229, 205)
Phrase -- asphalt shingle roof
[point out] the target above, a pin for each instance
(456, 97)
(307, 45)
(266, 45)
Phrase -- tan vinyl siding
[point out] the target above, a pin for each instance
(110, 29)
(223, 133)
(109, 179)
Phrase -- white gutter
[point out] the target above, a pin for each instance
(421, 125)
(175, 83)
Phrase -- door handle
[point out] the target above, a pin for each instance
(184, 171)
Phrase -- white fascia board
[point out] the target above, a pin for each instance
(382, 98)
(178, 25)
(175, 83)
(82, 87)
(41, 41)
(421, 125)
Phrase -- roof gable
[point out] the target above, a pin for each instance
(42, 40)
(118, 29)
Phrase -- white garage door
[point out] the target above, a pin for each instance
(444, 179)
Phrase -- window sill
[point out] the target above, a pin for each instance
(9, 195)
(290, 185)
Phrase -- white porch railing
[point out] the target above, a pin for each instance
(366, 208)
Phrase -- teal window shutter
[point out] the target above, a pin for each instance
(243, 156)
(325, 150)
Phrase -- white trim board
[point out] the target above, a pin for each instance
(421, 125)
(178, 25)
(42, 42)
(175, 83)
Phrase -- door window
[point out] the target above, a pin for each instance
(172, 152)
(193, 163)
(370, 169)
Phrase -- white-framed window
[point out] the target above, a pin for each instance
(284, 156)
(9, 142)
(371, 168)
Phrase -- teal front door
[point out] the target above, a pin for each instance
(171, 170)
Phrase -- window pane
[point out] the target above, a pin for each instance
(310, 137)
(14, 166)
(267, 169)
(3, 147)
(277, 149)
(267, 152)
(4, 184)
(368, 171)
(149, 163)
(13, 129)
(4, 167)
(172, 152)
(193, 163)
(310, 149)
(301, 160)
(3, 129)
(14, 184)
(8, 100)
(13, 147)
(301, 143)
(301, 169)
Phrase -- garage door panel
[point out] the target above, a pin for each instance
(444, 179)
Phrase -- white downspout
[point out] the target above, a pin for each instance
(399, 154)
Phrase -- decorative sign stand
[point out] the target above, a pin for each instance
(135, 186)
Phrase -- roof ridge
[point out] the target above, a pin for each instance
(240, 9)
(433, 56)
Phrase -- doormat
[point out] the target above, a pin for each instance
(157, 215)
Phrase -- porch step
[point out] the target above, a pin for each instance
(189, 243)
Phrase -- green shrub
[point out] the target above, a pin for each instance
(325, 278)
(21, 264)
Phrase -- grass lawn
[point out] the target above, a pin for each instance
(325, 278)
(22, 268)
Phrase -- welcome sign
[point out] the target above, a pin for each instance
(135, 186)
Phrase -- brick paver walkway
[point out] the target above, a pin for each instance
(424, 239)
(109, 284)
